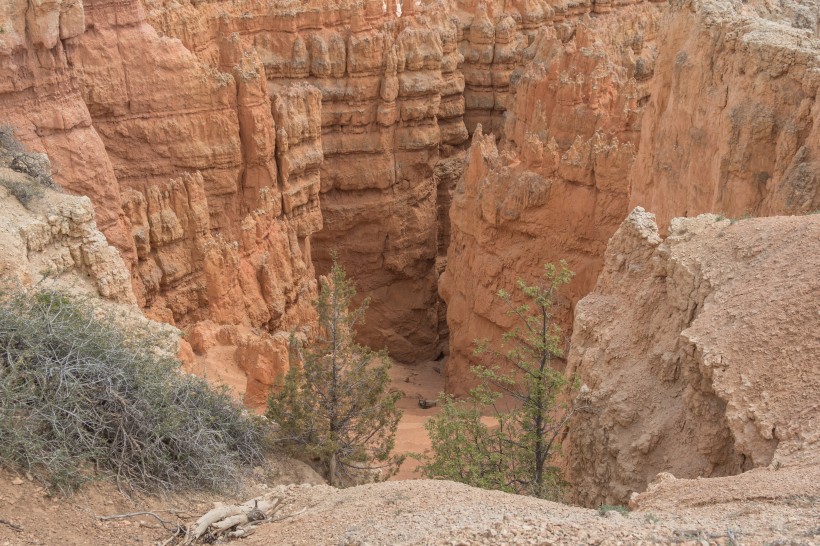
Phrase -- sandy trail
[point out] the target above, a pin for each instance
(415, 381)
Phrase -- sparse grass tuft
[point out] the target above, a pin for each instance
(86, 394)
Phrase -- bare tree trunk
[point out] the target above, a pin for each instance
(334, 481)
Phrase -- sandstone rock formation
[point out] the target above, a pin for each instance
(209, 200)
(383, 137)
(193, 150)
(700, 352)
(732, 121)
(700, 106)
(50, 239)
(447, 148)
(40, 99)
(556, 184)
(205, 155)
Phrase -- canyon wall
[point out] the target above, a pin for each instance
(194, 153)
(50, 240)
(732, 121)
(386, 147)
(682, 108)
(180, 160)
(441, 148)
(699, 352)
(205, 132)
(686, 108)
(554, 183)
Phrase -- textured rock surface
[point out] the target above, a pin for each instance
(732, 122)
(194, 153)
(206, 185)
(53, 241)
(381, 133)
(50, 241)
(556, 185)
(761, 507)
(683, 108)
(700, 351)
(40, 98)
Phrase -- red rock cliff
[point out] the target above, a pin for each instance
(388, 142)
(555, 184)
(682, 108)
(180, 159)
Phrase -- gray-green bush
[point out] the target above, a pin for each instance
(34, 164)
(85, 394)
(25, 192)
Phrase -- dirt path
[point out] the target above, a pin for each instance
(420, 381)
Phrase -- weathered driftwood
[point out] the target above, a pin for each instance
(12, 526)
(217, 514)
(234, 520)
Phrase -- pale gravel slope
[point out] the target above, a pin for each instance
(424, 512)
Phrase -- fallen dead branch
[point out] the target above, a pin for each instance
(12, 526)
(229, 521)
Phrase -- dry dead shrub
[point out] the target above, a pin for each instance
(84, 394)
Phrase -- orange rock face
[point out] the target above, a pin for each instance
(681, 109)
(41, 100)
(380, 136)
(196, 156)
(555, 185)
(703, 106)
(732, 123)
(229, 146)
(205, 133)
(204, 181)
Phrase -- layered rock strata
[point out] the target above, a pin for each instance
(206, 185)
(228, 145)
(686, 108)
(555, 185)
(41, 100)
(386, 132)
(49, 239)
(699, 352)
(732, 121)
(195, 154)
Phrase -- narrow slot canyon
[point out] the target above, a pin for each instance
(443, 150)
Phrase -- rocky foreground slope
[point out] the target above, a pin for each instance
(769, 508)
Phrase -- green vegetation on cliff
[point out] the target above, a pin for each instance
(528, 401)
(336, 407)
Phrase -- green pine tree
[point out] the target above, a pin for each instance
(513, 452)
(336, 407)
